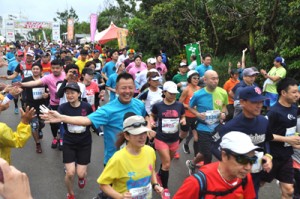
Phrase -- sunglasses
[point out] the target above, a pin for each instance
(196, 78)
(20, 55)
(137, 124)
(243, 159)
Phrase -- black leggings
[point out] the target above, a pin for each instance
(54, 126)
(204, 145)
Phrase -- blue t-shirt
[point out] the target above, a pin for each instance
(12, 67)
(211, 103)
(111, 116)
(256, 128)
(109, 68)
(10, 56)
(201, 69)
(112, 82)
(74, 134)
(168, 117)
(282, 121)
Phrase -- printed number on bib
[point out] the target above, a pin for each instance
(37, 93)
(141, 192)
(289, 132)
(170, 125)
(76, 129)
(212, 116)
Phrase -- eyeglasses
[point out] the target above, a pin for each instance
(137, 125)
(243, 159)
(196, 78)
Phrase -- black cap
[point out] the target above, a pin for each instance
(73, 85)
(84, 52)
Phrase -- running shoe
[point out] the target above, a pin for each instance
(166, 194)
(70, 196)
(40, 134)
(54, 143)
(177, 155)
(16, 111)
(38, 148)
(190, 165)
(158, 179)
(81, 183)
(186, 149)
(60, 144)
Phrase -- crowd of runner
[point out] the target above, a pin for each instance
(142, 113)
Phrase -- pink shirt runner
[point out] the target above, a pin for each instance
(132, 64)
(161, 67)
(50, 81)
(135, 70)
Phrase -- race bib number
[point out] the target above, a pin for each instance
(37, 93)
(90, 99)
(183, 85)
(170, 126)
(141, 192)
(212, 117)
(27, 73)
(257, 166)
(76, 129)
(98, 66)
(289, 132)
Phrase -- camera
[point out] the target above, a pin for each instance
(74, 73)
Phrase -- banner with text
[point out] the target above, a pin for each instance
(122, 42)
(93, 25)
(55, 31)
(193, 49)
(70, 31)
(10, 31)
(33, 24)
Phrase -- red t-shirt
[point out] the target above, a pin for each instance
(46, 68)
(91, 90)
(190, 187)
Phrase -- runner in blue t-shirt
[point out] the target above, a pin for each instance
(209, 105)
(110, 67)
(110, 116)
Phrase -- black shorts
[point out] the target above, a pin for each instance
(81, 154)
(282, 170)
(190, 123)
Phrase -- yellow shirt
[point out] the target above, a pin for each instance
(81, 64)
(10, 139)
(127, 172)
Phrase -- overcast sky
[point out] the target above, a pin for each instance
(45, 10)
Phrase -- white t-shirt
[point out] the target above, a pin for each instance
(141, 78)
(193, 65)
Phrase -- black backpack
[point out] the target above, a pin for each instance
(201, 178)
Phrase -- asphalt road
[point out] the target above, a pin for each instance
(46, 172)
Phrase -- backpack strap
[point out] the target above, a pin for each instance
(201, 178)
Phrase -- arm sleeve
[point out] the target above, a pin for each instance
(110, 172)
(18, 69)
(143, 96)
(188, 190)
(17, 139)
(60, 91)
(99, 117)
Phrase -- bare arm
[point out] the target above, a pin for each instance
(110, 89)
(229, 67)
(244, 58)
(292, 140)
(32, 83)
(54, 117)
(14, 75)
(183, 96)
(104, 76)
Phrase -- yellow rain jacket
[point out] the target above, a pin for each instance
(10, 139)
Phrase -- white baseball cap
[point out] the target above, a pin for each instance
(135, 125)
(151, 60)
(238, 142)
(191, 72)
(170, 86)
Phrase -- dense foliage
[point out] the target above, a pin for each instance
(266, 27)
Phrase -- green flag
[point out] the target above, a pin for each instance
(193, 49)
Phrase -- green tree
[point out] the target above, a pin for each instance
(62, 18)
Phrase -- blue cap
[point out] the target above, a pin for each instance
(252, 93)
(280, 60)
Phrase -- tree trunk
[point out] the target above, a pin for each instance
(214, 29)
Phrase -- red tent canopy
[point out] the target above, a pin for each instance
(108, 34)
